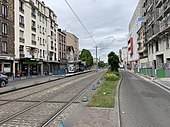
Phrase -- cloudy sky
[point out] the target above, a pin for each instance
(106, 20)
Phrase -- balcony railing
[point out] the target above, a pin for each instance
(22, 40)
(158, 3)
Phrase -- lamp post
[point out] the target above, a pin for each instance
(48, 53)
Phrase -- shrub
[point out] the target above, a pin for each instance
(111, 76)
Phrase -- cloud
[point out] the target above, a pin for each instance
(106, 20)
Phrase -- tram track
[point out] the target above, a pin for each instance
(33, 87)
(54, 101)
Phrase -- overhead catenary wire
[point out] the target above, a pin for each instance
(80, 21)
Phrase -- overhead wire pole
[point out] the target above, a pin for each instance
(96, 60)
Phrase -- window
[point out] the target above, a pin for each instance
(33, 39)
(40, 29)
(21, 6)
(33, 26)
(21, 21)
(33, 13)
(43, 42)
(4, 29)
(21, 36)
(43, 53)
(43, 31)
(40, 41)
(4, 47)
(21, 33)
(21, 48)
(40, 53)
(157, 46)
(4, 11)
(167, 42)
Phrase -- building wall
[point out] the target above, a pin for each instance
(36, 37)
(72, 40)
(7, 36)
(157, 32)
(134, 26)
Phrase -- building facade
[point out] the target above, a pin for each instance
(123, 56)
(134, 26)
(62, 49)
(157, 32)
(72, 41)
(36, 48)
(6, 36)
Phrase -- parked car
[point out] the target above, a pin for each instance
(3, 80)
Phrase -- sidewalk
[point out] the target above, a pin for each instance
(164, 82)
(35, 80)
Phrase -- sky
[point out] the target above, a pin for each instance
(106, 20)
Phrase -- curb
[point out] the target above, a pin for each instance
(151, 79)
(37, 84)
(117, 101)
(162, 85)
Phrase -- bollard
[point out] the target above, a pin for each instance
(94, 87)
(13, 87)
(61, 124)
(85, 98)
(49, 79)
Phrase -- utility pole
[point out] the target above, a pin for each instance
(96, 60)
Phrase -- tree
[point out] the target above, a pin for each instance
(86, 56)
(101, 64)
(113, 61)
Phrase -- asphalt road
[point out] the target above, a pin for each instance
(142, 103)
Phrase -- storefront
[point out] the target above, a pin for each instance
(6, 65)
(29, 67)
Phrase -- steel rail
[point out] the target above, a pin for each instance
(34, 92)
(29, 108)
(68, 104)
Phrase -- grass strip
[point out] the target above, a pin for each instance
(105, 94)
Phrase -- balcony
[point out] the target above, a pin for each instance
(22, 40)
(141, 49)
(21, 24)
(139, 40)
(158, 3)
(33, 42)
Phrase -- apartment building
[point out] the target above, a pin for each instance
(156, 27)
(62, 49)
(6, 36)
(72, 41)
(123, 56)
(134, 26)
(36, 49)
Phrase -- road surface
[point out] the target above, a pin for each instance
(142, 103)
